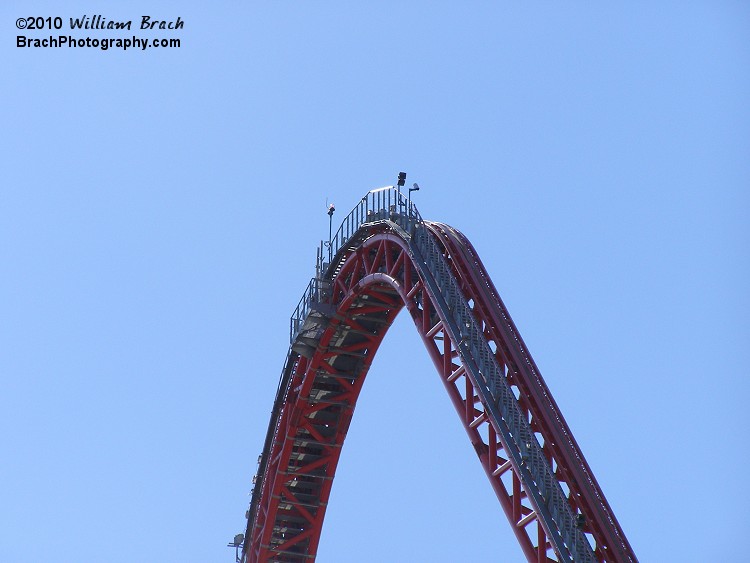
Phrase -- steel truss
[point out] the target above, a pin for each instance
(386, 258)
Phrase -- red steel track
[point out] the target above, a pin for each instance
(376, 273)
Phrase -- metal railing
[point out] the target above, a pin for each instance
(381, 204)
(539, 481)
(389, 204)
(316, 292)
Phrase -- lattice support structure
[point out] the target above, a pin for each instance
(386, 258)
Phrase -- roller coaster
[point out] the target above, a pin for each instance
(385, 257)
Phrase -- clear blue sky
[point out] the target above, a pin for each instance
(160, 210)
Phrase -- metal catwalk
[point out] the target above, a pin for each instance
(385, 257)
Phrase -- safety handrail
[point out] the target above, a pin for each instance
(540, 483)
(381, 204)
(393, 212)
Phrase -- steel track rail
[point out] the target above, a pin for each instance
(572, 468)
(384, 258)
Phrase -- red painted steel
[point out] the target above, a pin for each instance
(563, 452)
(374, 278)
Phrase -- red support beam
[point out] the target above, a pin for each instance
(372, 283)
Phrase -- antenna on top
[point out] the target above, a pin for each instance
(331, 209)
